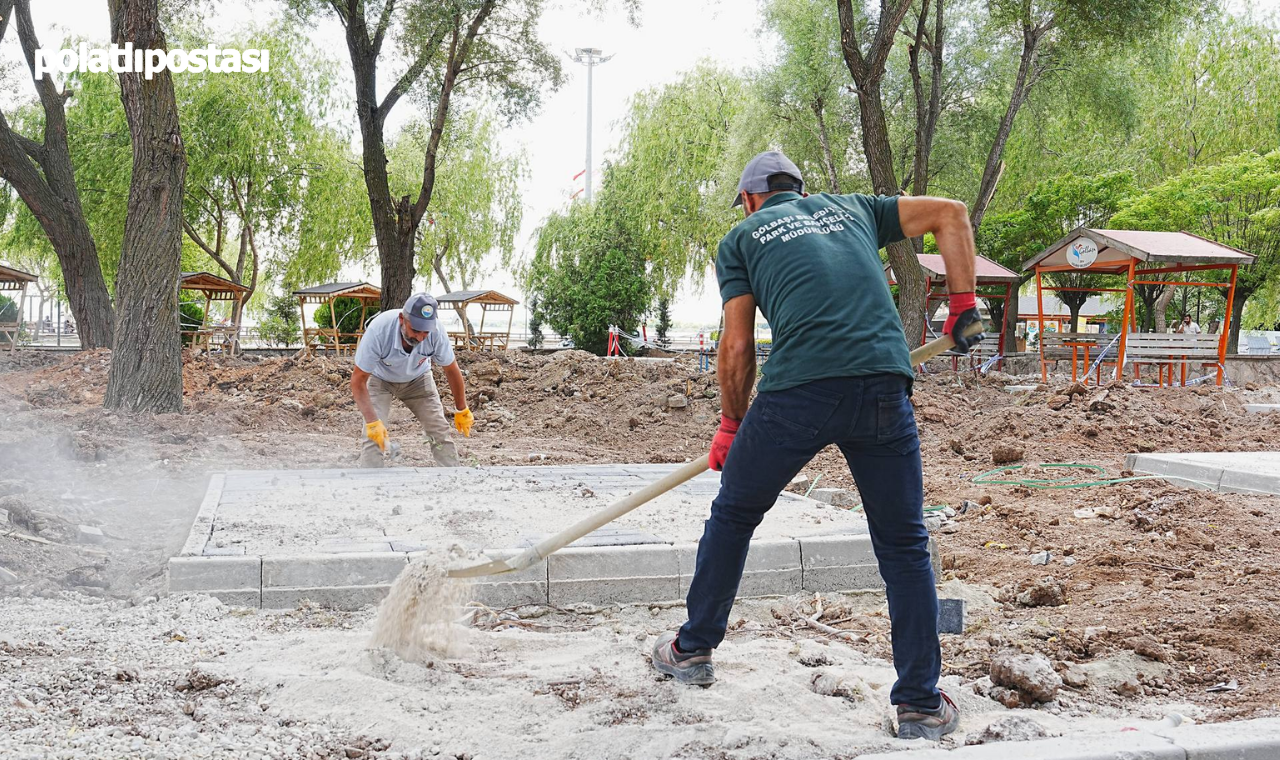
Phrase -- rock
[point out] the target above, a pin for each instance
(1076, 389)
(1006, 453)
(1030, 674)
(1075, 676)
(396, 511)
(1057, 402)
(1011, 728)
(957, 446)
(1068, 561)
(1129, 688)
(836, 497)
(932, 523)
(831, 685)
(677, 401)
(951, 615)
(949, 512)
(1148, 646)
(490, 371)
(1041, 558)
(1047, 593)
(801, 482)
(1099, 403)
(1010, 698)
(87, 534)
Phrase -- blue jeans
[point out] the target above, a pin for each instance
(871, 420)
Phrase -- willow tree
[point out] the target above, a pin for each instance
(1235, 202)
(146, 355)
(40, 171)
(450, 48)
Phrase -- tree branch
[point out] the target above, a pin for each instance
(414, 72)
(383, 24)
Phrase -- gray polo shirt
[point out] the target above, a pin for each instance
(381, 352)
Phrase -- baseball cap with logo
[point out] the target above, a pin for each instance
(421, 311)
(755, 178)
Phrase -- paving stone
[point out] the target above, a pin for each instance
(235, 550)
(839, 563)
(836, 497)
(951, 616)
(1261, 408)
(614, 575)
(772, 567)
(1130, 745)
(1250, 482)
(327, 570)
(1235, 740)
(331, 597)
(1147, 464)
(1256, 472)
(214, 573)
(87, 534)
(614, 536)
(354, 547)
(241, 597)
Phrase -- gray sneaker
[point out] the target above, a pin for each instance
(693, 668)
(919, 723)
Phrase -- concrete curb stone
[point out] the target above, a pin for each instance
(1130, 745)
(202, 527)
(839, 563)
(773, 568)
(1235, 740)
(614, 575)
(331, 571)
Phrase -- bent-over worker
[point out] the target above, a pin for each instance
(839, 373)
(394, 360)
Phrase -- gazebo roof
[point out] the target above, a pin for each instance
(8, 274)
(362, 290)
(477, 296)
(209, 282)
(1117, 247)
(988, 272)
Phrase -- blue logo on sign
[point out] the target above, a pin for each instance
(428, 311)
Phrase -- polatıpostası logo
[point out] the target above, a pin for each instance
(124, 59)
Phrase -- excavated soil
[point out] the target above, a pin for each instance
(1179, 584)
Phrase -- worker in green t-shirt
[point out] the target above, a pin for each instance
(838, 373)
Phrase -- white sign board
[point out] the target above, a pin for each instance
(1082, 253)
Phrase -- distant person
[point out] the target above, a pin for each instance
(394, 360)
(839, 373)
(1187, 326)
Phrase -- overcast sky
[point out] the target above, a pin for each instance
(672, 37)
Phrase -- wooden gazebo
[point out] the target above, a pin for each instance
(331, 337)
(13, 281)
(489, 300)
(1138, 256)
(207, 335)
(993, 281)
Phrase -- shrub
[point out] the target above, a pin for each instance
(348, 311)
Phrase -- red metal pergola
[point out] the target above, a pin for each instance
(995, 280)
(1120, 252)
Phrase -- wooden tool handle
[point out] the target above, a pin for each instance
(941, 345)
(620, 507)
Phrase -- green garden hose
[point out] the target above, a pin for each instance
(1056, 483)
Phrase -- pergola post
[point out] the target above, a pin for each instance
(1226, 325)
(1127, 316)
(302, 315)
(333, 322)
(1044, 369)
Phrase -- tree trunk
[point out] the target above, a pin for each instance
(146, 360)
(1022, 84)
(44, 179)
(1162, 307)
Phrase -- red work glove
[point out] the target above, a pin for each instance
(964, 312)
(723, 440)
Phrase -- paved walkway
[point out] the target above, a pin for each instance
(1256, 472)
(272, 538)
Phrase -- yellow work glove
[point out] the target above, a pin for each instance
(463, 419)
(377, 432)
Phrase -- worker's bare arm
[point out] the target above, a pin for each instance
(736, 363)
(456, 386)
(948, 220)
(360, 392)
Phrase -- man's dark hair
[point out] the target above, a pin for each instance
(782, 182)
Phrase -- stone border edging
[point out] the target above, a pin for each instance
(1257, 739)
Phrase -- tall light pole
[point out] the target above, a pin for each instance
(589, 57)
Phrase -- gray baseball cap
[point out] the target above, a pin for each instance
(421, 311)
(755, 178)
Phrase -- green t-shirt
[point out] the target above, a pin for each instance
(813, 265)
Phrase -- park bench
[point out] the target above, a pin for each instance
(1170, 350)
(9, 332)
(1078, 348)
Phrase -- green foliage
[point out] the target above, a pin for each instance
(534, 340)
(8, 313)
(587, 276)
(190, 315)
(664, 322)
(475, 207)
(348, 311)
(280, 326)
